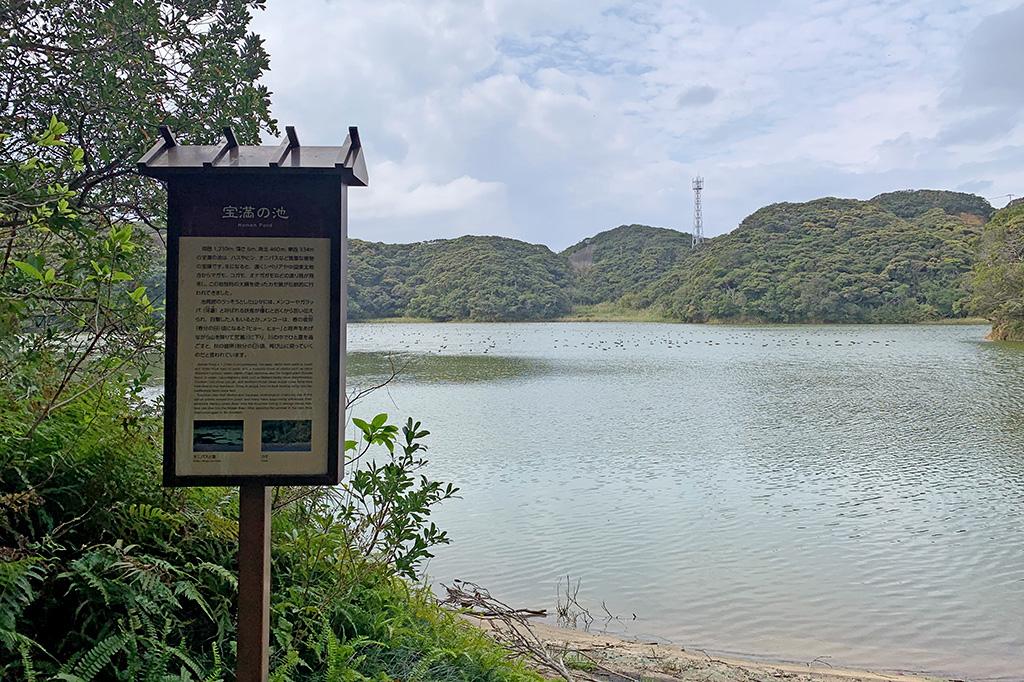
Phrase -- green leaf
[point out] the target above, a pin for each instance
(28, 269)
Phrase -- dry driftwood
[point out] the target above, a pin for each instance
(511, 627)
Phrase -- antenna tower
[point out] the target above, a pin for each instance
(698, 214)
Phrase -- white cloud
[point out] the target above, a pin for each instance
(550, 121)
(402, 192)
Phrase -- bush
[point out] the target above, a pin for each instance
(106, 575)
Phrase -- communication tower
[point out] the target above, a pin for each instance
(698, 215)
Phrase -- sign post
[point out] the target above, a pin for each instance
(253, 582)
(254, 366)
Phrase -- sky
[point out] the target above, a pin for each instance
(552, 120)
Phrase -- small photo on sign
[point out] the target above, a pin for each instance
(287, 435)
(217, 435)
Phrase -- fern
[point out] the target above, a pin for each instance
(219, 571)
(218, 665)
(16, 593)
(342, 661)
(85, 569)
(26, 662)
(16, 590)
(92, 662)
(133, 624)
(146, 518)
(219, 526)
(188, 589)
(283, 672)
(157, 657)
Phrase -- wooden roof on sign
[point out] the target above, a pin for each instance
(167, 158)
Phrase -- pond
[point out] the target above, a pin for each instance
(848, 493)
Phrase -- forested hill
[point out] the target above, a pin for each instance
(617, 265)
(495, 278)
(899, 257)
(469, 278)
(999, 273)
(911, 204)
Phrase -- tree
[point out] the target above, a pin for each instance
(113, 70)
(104, 574)
(998, 283)
(82, 91)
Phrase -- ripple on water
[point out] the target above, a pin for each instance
(793, 492)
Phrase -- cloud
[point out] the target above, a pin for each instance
(993, 61)
(979, 127)
(696, 96)
(552, 121)
(975, 186)
(398, 193)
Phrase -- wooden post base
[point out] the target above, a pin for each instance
(253, 584)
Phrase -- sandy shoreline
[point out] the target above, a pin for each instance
(609, 658)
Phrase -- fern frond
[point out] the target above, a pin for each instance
(27, 666)
(190, 591)
(16, 590)
(193, 666)
(150, 514)
(218, 666)
(221, 572)
(89, 665)
(283, 672)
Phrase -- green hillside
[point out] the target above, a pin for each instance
(999, 274)
(490, 278)
(469, 278)
(495, 278)
(622, 262)
(379, 277)
(911, 204)
(900, 257)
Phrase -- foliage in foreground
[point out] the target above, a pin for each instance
(105, 575)
(999, 274)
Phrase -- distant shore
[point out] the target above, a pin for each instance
(590, 315)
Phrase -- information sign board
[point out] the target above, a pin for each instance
(254, 370)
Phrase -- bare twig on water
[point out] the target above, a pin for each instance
(609, 616)
(820, 659)
(570, 612)
(395, 370)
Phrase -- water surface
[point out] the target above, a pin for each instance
(847, 493)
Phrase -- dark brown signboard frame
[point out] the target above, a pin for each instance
(311, 185)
